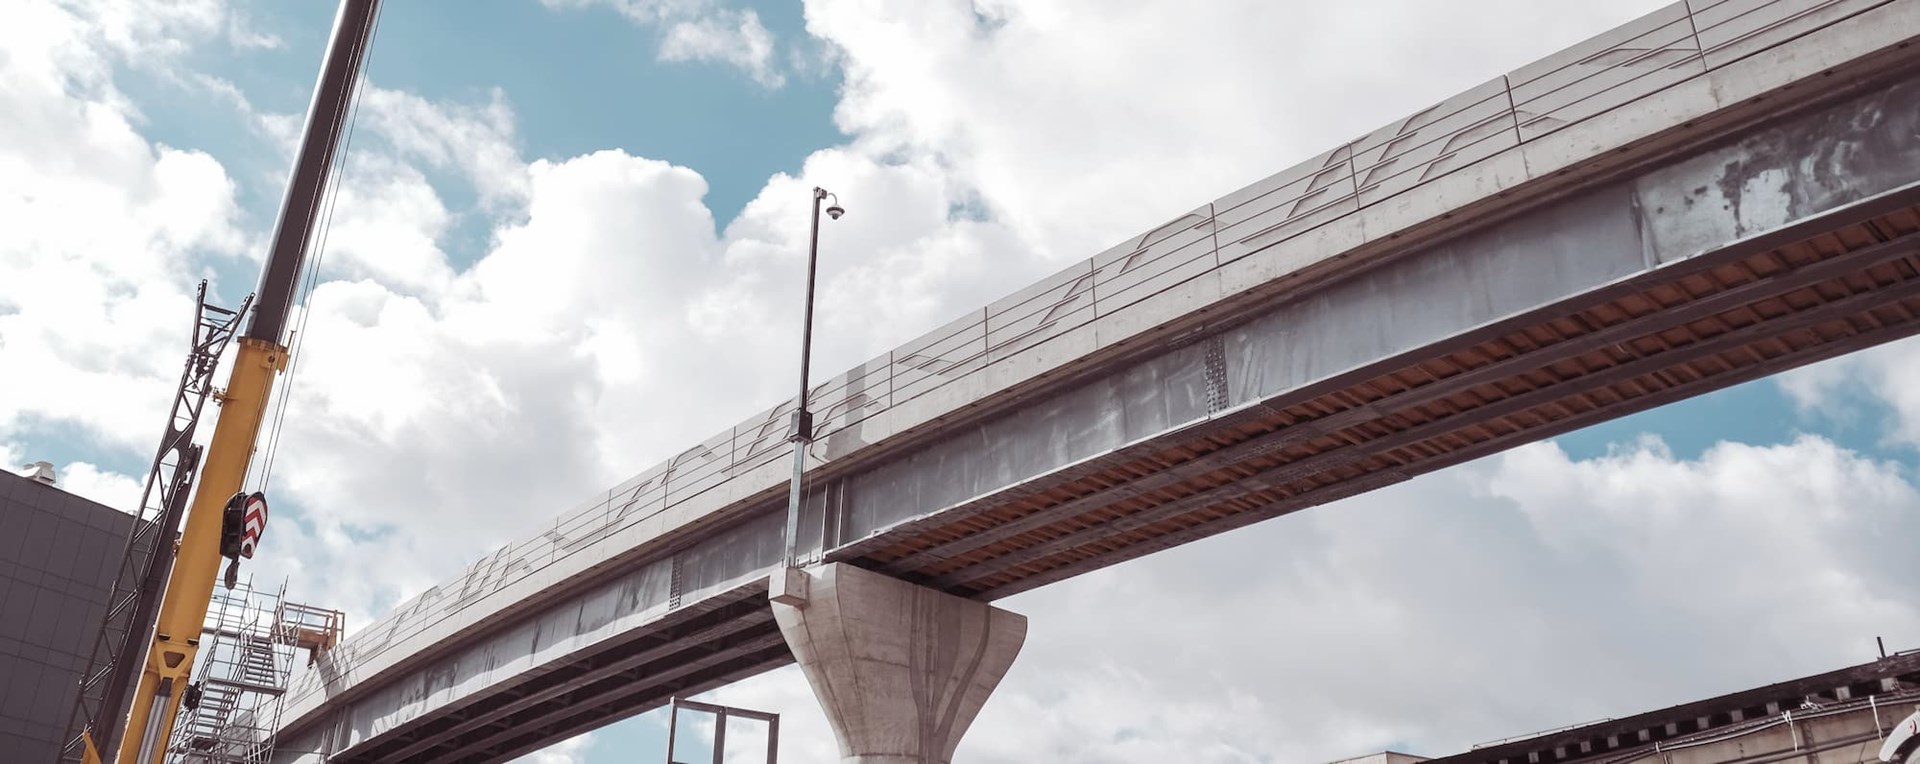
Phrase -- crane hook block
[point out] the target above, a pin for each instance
(242, 522)
(231, 522)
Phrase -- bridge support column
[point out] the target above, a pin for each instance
(900, 669)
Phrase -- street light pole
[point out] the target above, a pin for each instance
(802, 418)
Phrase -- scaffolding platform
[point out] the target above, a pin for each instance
(251, 639)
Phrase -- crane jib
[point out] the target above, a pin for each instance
(300, 208)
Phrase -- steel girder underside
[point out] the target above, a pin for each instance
(698, 648)
(1821, 288)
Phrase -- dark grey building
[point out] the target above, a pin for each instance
(58, 555)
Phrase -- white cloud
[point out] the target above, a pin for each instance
(476, 141)
(1879, 377)
(110, 488)
(106, 231)
(242, 34)
(1081, 122)
(701, 30)
(164, 28)
(387, 223)
(730, 37)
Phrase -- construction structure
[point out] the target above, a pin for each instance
(719, 716)
(251, 641)
(1837, 717)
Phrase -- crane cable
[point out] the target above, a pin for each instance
(312, 276)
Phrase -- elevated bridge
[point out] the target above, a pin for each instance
(1716, 192)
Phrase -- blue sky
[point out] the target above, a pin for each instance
(556, 211)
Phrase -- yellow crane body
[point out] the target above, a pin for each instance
(183, 610)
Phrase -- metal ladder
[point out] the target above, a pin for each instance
(245, 666)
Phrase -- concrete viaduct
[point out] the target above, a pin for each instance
(1712, 193)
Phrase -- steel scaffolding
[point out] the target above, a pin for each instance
(252, 638)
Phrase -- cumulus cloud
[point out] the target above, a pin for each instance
(474, 140)
(701, 30)
(1085, 121)
(157, 27)
(105, 230)
(110, 488)
(244, 36)
(1856, 389)
(730, 37)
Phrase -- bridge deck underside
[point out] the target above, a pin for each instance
(702, 647)
(1815, 291)
(1822, 288)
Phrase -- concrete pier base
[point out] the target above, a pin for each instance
(900, 669)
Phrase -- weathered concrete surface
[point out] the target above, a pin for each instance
(901, 670)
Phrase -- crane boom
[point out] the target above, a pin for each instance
(259, 359)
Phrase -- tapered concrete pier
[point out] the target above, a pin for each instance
(900, 669)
